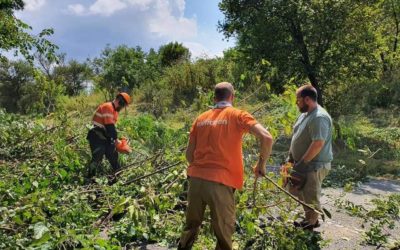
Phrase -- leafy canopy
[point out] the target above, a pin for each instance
(14, 34)
(315, 40)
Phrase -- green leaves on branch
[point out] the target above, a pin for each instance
(14, 34)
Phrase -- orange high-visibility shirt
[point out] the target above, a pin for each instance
(217, 134)
(105, 115)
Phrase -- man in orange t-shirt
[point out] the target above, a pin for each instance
(216, 166)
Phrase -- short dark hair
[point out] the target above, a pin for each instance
(222, 94)
(308, 90)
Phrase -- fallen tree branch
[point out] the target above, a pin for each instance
(292, 196)
(153, 173)
(107, 218)
(133, 164)
(8, 228)
(150, 158)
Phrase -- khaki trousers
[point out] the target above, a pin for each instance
(311, 193)
(221, 201)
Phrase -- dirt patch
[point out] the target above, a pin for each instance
(343, 231)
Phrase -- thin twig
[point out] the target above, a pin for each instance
(259, 108)
(254, 191)
(266, 206)
(36, 134)
(134, 164)
(100, 222)
(171, 183)
(372, 155)
(251, 94)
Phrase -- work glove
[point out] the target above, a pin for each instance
(286, 169)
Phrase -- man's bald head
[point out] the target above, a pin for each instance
(223, 91)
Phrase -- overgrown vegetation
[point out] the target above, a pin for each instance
(347, 49)
(49, 205)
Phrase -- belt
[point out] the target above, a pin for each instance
(313, 166)
(319, 165)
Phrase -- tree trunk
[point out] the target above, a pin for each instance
(384, 63)
(397, 31)
(298, 37)
(397, 23)
(316, 85)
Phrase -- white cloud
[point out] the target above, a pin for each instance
(163, 18)
(77, 9)
(33, 5)
(165, 24)
(107, 7)
(110, 7)
(142, 4)
(181, 5)
(198, 50)
(82, 27)
(211, 50)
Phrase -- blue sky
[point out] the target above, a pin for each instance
(84, 27)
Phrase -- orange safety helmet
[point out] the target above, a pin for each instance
(126, 97)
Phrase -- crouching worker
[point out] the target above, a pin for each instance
(103, 136)
(215, 167)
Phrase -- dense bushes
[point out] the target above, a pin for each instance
(184, 84)
(26, 90)
(163, 88)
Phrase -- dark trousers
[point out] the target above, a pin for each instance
(99, 147)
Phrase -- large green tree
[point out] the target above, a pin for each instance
(173, 53)
(24, 89)
(72, 75)
(318, 40)
(153, 65)
(14, 77)
(388, 27)
(15, 36)
(119, 69)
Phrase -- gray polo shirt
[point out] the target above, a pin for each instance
(316, 125)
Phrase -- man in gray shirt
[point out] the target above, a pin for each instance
(311, 152)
